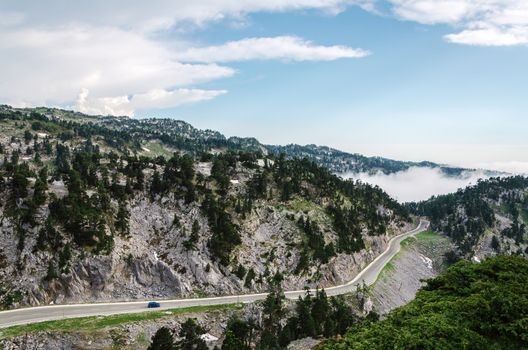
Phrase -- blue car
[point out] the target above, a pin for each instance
(153, 304)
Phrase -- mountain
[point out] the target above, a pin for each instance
(104, 209)
(342, 162)
(485, 219)
(179, 135)
(108, 208)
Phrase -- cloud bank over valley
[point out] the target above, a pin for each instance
(418, 183)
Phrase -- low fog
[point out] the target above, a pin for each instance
(418, 183)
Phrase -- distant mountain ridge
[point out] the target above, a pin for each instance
(342, 162)
(182, 136)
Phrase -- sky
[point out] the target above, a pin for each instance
(439, 80)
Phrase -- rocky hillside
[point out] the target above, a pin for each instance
(486, 219)
(90, 211)
(421, 257)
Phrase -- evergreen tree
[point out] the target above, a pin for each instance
(39, 192)
(162, 340)
(51, 272)
(122, 218)
(64, 258)
(191, 336)
(239, 334)
(273, 313)
(156, 187)
(28, 136)
(231, 342)
(320, 310)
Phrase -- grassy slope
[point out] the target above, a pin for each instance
(93, 323)
(424, 241)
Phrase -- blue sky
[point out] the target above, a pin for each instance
(443, 80)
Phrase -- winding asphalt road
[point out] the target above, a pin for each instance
(54, 312)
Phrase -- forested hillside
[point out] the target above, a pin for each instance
(343, 162)
(87, 213)
(470, 306)
(146, 136)
(487, 218)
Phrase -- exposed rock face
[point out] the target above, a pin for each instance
(155, 259)
(152, 261)
(303, 344)
(401, 279)
(101, 278)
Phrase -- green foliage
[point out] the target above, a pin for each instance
(348, 227)
(9, 296)
(467, 214)
(162, 340)
(122, 218)
(239, 334)
(62, 158)
(64, 258)
(178, 175)
(495, 244)
(225, 233)
(190, 333)
(317, 316)
(250, 276)
(82, 216)
(470, 306)
(28, 136)
(219, 173)
(341, 162)
(41, 185)
(51, 272)
(516, 231)
(190, 243)
(241, 271)
(314, 248)
(96, 323)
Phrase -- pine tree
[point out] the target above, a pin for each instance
(190, 333)
(162, 340)
(64, 258)
(122, 219)
(239, 334)
(320, 310)
(156, 187)
(231, 342)
(51, 273)
(39, 193)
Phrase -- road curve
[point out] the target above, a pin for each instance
(54, 312)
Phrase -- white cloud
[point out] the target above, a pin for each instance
(281, 47)
(126, 105)
(512, 167)
(52, 66)
(161, 14)
(432, 11)
(114, 57)
(483, 22)
(418, 183)
(490, 36)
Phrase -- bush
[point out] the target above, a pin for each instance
(470, 306)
